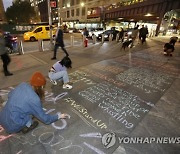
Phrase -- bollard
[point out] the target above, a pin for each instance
(94, 38)
(117, 38)
(20, 48)
(102, 38)
(40, 45)
(72, 40)
(110, 37)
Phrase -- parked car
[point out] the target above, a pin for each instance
(39, 32)
(73, 30)
(95, 31)
(107, 34)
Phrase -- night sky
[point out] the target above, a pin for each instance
(7, 3)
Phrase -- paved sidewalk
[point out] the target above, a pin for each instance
(133, 93)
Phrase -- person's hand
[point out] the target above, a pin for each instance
(63, 116)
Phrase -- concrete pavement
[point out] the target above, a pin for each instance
(133, 93)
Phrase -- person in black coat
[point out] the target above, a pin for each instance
(59, 43)
(4, 55)
(143, 34)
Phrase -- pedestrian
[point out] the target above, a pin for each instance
(4, 55)
(24, 103)
(85, 37)
(134, 35)
(59, 42)
(85, 32)
(59, 72)
(143, 34)
(121, 35)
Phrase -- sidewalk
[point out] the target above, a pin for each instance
(133, 93)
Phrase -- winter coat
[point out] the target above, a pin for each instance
(59, 38)
(2, 45)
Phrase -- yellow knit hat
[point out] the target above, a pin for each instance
(37, 80)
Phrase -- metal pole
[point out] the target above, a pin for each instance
(20, 48)
(40, 45)
(50, 24)
(72, 40)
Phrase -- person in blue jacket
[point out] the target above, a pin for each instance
(24, 102)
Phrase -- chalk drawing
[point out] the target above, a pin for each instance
(76, 146)
(64, 124)
(50, 98)
(19, 152)
(84, 112)
(46, 134)
(116, 102)
(86, 122)
(92, 135)
(93, 148)
(51, 110)
(79, 76)
(66, 144)
(104, 77)
(145, 79)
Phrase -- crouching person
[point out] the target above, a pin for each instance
(25, 102)
(59, 72)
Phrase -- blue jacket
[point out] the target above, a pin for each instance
(22, 103)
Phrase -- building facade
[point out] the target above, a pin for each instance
(2, 12)
(81, 13)
(141, 11)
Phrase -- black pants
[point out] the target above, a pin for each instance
(6, 60)
(55, 50)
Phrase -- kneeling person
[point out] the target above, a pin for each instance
(24, 102)
(59, 72)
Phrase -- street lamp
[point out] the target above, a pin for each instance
(82, 4)
(50, 24)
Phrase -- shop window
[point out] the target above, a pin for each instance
(83, 11)
(77, 12)
(72, 13)
(77, 2)
(68, 14)
(72, 2)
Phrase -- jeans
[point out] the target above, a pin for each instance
(61, 75)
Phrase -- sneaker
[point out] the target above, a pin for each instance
(67, 86)
(53, 82)
(27, 129)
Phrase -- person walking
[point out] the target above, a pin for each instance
(121, 35)
(25, 102)
(143, 34)
(59, 72)
(134, 35)
(59, 42)
(4, 55)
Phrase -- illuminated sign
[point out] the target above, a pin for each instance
(53, 3)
